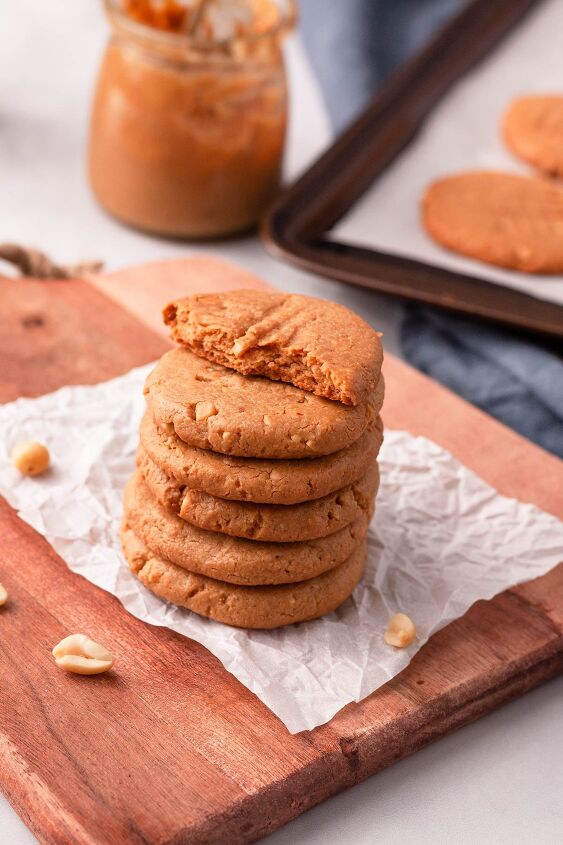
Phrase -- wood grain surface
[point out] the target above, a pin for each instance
(168, 747)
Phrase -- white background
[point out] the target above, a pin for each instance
(498, 781)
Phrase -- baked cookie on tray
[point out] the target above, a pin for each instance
(319, 346)
(279, 482)
(500, 218)
(215, 408)
(533, 129)
(241, 606)
(271, 523)
(233, 559)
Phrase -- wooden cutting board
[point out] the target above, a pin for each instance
(170, 748)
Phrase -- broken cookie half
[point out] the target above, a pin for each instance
(318, 346)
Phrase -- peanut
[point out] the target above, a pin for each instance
(77, 653)
(3, 595)
(204, 410)
(401, 631)
(30, 458)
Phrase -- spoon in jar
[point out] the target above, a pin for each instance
(197, 16)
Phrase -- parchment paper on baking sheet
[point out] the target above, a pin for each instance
(463, 133)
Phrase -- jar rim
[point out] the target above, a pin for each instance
(119, 18)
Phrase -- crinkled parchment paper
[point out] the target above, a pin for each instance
(441, 539)
(463, 133)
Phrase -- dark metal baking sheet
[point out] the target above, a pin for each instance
(296, 227)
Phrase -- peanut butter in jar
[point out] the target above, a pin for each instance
(189, 117)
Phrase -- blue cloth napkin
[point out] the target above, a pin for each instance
(353, 46)
(506, 375)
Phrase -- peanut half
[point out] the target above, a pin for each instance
(82, 655)
(401, 631)
(3, 595)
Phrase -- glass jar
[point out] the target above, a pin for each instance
(187, 133)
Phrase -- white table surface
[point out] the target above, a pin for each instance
(498, 781)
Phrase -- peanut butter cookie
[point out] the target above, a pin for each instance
(271, 523)
(215, 408)
(254, 480)
(504, 219)
(233, 559)
(240, 606)
(319, 346)
(533, 129)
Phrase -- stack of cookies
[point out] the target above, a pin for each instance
(256, 472)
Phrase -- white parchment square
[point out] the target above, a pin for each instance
(441, 539)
